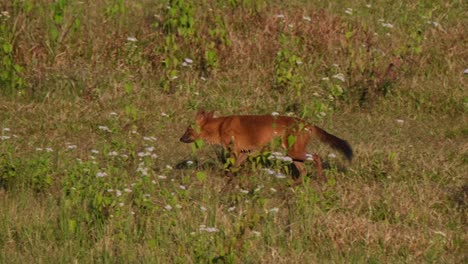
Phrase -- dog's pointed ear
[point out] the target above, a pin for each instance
(201, 116)
(200, 112)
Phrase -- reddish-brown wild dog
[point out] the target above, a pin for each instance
(242, 134)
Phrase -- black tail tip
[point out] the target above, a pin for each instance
(348, 151)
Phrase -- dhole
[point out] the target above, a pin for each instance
(242, 134)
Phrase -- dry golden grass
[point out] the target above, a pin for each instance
(402, 106)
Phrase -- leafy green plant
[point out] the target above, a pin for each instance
(116, 8)
(179, 18)
(35, 173)
(85, 196)
(11, 79)
(287, 62)
(41, 172)
(8, 170)
(170, 64)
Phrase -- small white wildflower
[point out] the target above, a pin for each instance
(230, 209)
(132, 213)
(104, 128)
(299, 62)
(101, 174)
(152, 139)
(274, 210)
(164, 114)
(112, 113)
(169, 167)
(325, 79)
(178, 206)
(349, 11)
(38, 149)
(211, 229)
(147, 195)
(280, 175)
(322, 114)
(270, 171)
(127, 190)
(174, 77)
(110, 190)
(256, 233)
(335, 65)
(272, 189)
(95, 151)
(208, 229)
(368, 5)
(154, 156)
(182, 187)
(189, 61)
(340, 77)
(48, 149)
(387, 25)
(287, 159)
(332, 155)
(280, 16)
(70, 147)
(124, 156)
(400, 121)
(4, 137)
(143, 154)
(275, 114)
(203, 79)
(5, 14)
(162, 177)
(118, 193)
(6, 129)
(259, 188)
(203, 208)
(307, 18)
(132, 39)
(189, 162)
(121, 204)
(168, 207)
(244, 191)
(153, 182)
(290, 25)
(433, 23)
(149, 149)
(143, 171)
(112, 153)
(465, 71)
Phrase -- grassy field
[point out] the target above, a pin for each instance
(96, 94)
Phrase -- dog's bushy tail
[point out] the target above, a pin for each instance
(333, 141)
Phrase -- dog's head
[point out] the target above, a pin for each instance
(192, 134)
